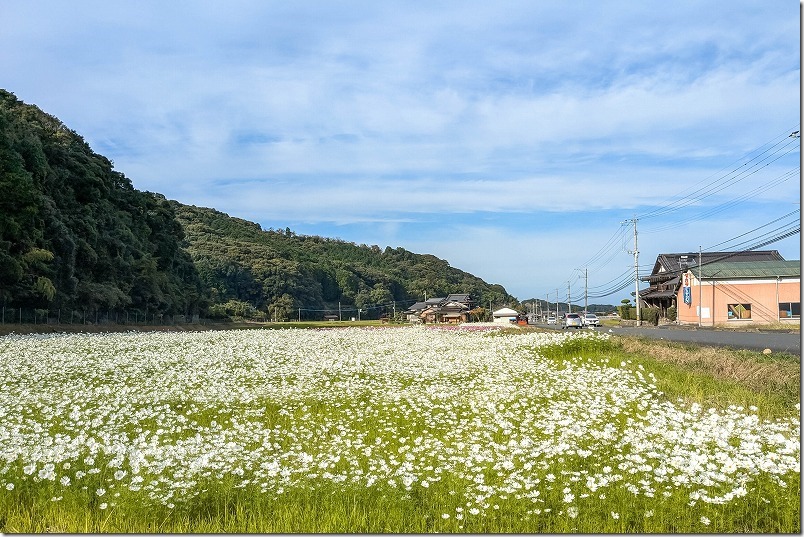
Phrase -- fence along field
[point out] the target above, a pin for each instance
(375, 430)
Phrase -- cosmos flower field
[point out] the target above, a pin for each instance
(408, 430)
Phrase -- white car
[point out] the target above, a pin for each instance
(551, 320)
(572, 320)
(590, 319)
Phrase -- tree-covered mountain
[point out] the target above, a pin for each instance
(75, 234)
(281, 273)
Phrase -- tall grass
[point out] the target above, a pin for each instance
(377, 431)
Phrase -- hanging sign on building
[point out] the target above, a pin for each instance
(687, 288)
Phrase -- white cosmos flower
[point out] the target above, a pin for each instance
(490, 413)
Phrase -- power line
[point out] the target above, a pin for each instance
(756, 163)
(736, 172)
(756, 229)
(794, 173)
(616, 237)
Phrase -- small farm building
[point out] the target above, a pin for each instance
(504, 315)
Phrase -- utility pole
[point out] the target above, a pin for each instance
(556, 304)
(586, 290)
(636, 272)
(569, 298)
(700, 290)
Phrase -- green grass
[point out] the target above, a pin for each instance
(222, 506)
(717, 377)
(329, 509)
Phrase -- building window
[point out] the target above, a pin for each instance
(739, 311)
(790, 310)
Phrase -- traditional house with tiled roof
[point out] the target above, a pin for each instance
(413, 313)
(453, 309)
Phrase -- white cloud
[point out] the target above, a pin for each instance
(382, 113)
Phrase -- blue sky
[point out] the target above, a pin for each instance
(510, 138)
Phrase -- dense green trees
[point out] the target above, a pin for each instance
(280, 272)
(76, 235)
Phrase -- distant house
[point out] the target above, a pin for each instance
(461, 298)
(665, 279)
(741, 292)
(452, 309)
(413, 314)
(454, 312)
(504, 315)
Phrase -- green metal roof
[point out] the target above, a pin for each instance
(749, 269)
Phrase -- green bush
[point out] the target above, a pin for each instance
(671, 313)
(650, 315)
(236, 309)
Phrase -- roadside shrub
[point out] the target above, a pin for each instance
(650, 315)
(671, 313)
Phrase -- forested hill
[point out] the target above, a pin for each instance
(76, 235)
(281, 272)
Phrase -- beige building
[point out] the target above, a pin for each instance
(665, 279)
(734, 293)
(504, 315)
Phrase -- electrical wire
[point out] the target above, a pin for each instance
(794, 173)
(757, 162)
(756, 229)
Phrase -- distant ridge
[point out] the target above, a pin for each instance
(76, 235)
(280, 271)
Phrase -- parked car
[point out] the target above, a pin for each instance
(572, 319)
(551, 319)
(590, 319)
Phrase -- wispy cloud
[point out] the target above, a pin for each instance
(378, 116)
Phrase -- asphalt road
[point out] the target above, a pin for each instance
(775, 341)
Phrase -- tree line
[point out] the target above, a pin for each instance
(75, 234)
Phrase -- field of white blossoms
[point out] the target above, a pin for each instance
(374, 430)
